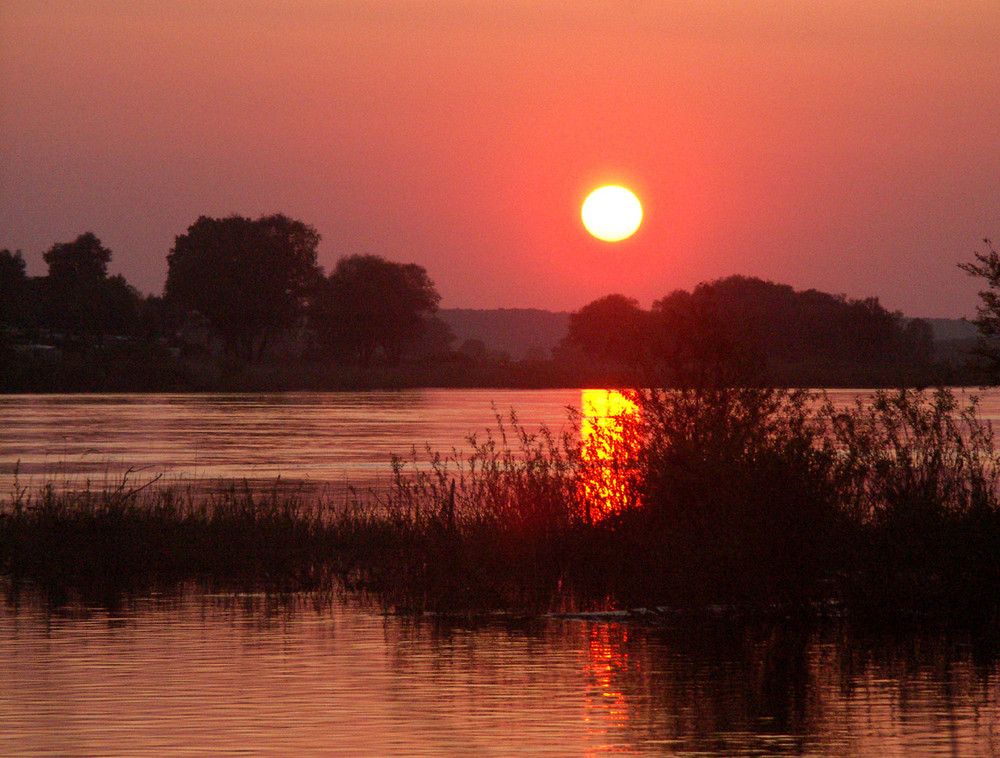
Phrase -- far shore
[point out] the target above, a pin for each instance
(87, 374)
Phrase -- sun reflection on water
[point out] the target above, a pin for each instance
(607, 706)
(607, 432)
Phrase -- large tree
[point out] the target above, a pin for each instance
(79, 296)
(610, 329)
(696, 343)
(84, 259)
(372, 307)
(249, 278)
(795, 335)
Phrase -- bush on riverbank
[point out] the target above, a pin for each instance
(754, 498)
(891, 504)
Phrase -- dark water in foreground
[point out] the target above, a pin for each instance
(228, 676)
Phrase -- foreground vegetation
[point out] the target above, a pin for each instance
(752, 499)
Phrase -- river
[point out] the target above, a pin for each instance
(326, 439)
(233, 675)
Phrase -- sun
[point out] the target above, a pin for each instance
(611, 213)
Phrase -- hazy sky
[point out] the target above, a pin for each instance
(848, 145)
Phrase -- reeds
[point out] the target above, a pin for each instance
(100, 543)
(755, 498)
(917, 480)
(490, 528)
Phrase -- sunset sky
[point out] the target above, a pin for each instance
(848, 145)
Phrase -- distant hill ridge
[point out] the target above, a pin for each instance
(514, 331)
(952, 329)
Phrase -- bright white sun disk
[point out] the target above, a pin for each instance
(611, 213)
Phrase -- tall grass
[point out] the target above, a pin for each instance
(764, 496)
(495, 526)
(735, 503)
(752, 497)
(917, 476)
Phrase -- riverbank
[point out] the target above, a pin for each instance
(139, 367)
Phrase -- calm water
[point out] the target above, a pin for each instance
(326, 439)
(234, 676)
(230, 677)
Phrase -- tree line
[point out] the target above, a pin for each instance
(76, 297)
(743, 329)
(236, 287)
(241, 292)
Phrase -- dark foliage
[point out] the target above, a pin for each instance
(986, 266)
(754, 330)
(370, 307)
(735, 490)
(78, 298)
(613, 329)
(83, 260)
(13, 289)
(248, 278)
(133, 538)
(248, 308)
(759, 500)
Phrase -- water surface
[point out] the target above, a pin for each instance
(327, 439)
(232, 676)
(236, 675)
(323, 438)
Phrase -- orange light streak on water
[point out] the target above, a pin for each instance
(606, 429)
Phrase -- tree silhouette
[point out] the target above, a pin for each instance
(611, 329)
(746, 330)
(79, 297)
(370, 306)
(987, 267)
(435, 339)
(13, 288)
(696, 343)
(249, 278)
(84, 259)
(919, 336)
